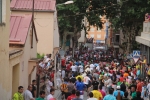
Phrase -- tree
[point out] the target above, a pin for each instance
(67, 18)
(72, 16)
(127, 15)
(130, 20)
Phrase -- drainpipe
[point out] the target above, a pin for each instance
(32, 23)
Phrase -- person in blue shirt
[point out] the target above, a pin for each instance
(118, 91)
(77, 63)
(80, 86)
(110, 95)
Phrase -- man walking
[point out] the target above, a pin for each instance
(33, 88)
(27, 94)
(80, 86)
(42, 96)
(18, 95)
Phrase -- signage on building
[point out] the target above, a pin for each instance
(136, 55)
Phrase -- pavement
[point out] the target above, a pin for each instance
(57, 93)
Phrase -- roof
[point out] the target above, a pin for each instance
(15, 53)
(19, 27)
(39, 5)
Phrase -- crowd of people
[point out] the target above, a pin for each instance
(45, 69)
(103, 76)
(93, 75)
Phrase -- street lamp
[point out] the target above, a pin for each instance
(66, 3)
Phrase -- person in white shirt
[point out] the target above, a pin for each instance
(80, 68)
(49, 85)
(98, 68)
(108, 83)
(83, 74)
(27, 94)
(92, 67)
(87, 69)
(42, 64)
(86, 80)
(63, 73)
(50, 96)
(91, 96)
(74, 68)
(58, 78)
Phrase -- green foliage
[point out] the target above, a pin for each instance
(40, 56)
(127, 15)
(67, 15)
(130, 19)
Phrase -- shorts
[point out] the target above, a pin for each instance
(66, 94)
(58, 81)
(87, 86)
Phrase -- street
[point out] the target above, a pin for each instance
(58, 95)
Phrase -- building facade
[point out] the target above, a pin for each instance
(44, 14)
(144, 40)
(22, 50)
(101, 37)
(5, 72)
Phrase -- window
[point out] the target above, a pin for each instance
(99, 30)
(117, 38)
(92, 29)
(0, 11)
(92, 35)
(98, 35)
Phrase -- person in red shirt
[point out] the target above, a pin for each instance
(63, 63)
(121, 78)
(52, 74)
(72, 96)
(139, 85)
(68, 67)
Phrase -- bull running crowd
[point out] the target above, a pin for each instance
(97, 74)
(102, 76)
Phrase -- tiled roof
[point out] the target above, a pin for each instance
(40, 5)
(19, 27)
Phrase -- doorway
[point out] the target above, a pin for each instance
(15, 78)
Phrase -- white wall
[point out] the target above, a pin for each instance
(27, 55)
(5, 70)
(82, 38)
(56, 30)
(44, 24)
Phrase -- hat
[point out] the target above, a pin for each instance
(118, 87)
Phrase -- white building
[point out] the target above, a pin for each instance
(144, 40)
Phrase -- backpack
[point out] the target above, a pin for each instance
(64, 87)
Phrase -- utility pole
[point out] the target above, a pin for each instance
(32, 23)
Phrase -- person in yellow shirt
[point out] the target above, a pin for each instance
(144, 60)
(79, 76)
(18, 95)
(96, 93)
